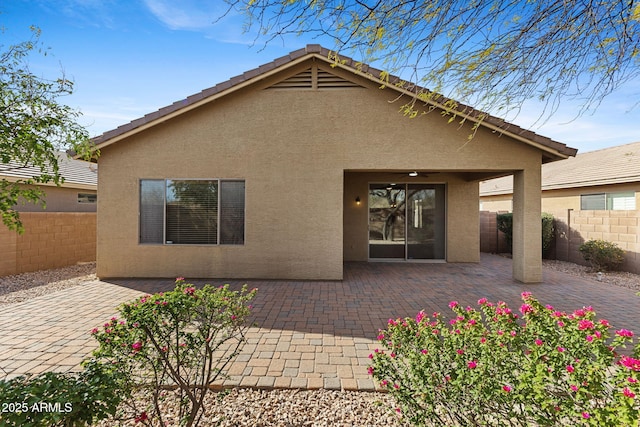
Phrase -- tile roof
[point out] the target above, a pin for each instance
(76, 173)
(554, 150)
(614, 165)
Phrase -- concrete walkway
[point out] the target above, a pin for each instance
(309, 334)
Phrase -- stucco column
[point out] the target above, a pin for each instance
(527, 225)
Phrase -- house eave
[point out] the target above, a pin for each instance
(316, 52)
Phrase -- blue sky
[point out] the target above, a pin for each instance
(131, 57)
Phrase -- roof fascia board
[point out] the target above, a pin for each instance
(66, 184)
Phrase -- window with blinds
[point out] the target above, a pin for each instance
(609, 201)
(192, 212)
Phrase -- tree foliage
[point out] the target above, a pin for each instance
(34, 125)
(491, 54)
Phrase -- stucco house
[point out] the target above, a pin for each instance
(78, 192)
(606, 179)
(291, 169)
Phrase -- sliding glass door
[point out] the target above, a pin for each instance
(407, 221)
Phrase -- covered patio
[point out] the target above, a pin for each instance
(308, 334)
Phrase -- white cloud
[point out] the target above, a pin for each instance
(186, 14)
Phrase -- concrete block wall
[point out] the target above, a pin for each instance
(620, 227)
(51, 240)
(573, 228)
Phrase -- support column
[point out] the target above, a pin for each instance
(527, 225)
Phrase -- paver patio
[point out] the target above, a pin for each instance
(312, 334)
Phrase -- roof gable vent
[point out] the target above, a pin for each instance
(315, 78)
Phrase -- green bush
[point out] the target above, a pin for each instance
(602, 255)
(57, 399)
(182, 340)
(548, 232)
(505, 224)
(493, 367)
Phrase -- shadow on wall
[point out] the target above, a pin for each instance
(572, 229)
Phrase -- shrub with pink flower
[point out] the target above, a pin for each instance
(544, 368)
(186, 337)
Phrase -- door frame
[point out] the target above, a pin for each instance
(405, 259)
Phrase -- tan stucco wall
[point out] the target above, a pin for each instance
(60, 199)
(292, 147)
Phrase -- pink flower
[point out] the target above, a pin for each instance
(179, 279)
(525, 295)
(549, 307)
(624, 333)
(453, 304)
(560, 323)
(189, 291)
(483, 340)
(630, 362)
(460, 351)
(384, 383)
(538, 342)
(589, 338)
(586, 415)
(506, 388)
(570, 369)
(482, 301)
(396, 386)
(380, 337)
(472, 364)
(136, 346)
(604, 322)
(370, 370)
(424, 351)
(420, 316)
(632, 380)
(561, 349)
(573, 387)
(628, 393)
(370, 355)
(447, 378)
(579, 313)
(585, 324)
(94, 331)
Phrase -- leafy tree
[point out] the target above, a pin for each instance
(33, 127)
(492, 54)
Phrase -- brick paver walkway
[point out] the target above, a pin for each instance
(309, 334)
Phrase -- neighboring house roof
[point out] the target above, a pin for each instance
(76, 173)
(614, 165)
(552, 150)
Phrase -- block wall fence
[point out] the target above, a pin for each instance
(50, 240)
(574, 228)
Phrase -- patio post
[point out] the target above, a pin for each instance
(527, 225)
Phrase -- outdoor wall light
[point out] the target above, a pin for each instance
(357, 200)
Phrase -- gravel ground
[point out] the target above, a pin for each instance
(617, 278)
(249, 407)
(261, 408)
(21, 287)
